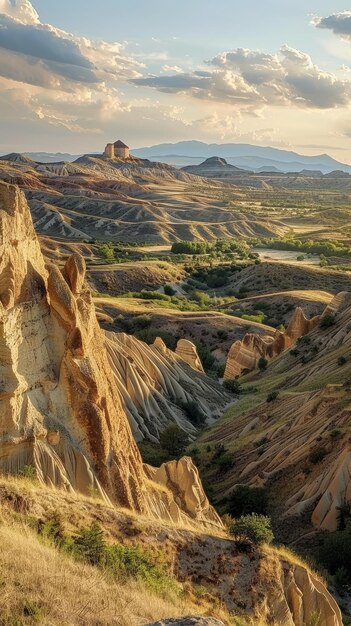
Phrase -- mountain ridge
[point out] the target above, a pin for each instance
(241, 153)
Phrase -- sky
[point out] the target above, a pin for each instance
(75, 75)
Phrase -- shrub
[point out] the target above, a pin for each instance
(89, 544)
(294, 352)
(169, 291)
(342, 360)
(141, 321)
(28, 471)
(341, 579)
(233, 386)
(148, 335)
(107, 251)
(153, 454)
(193, 412)
(327, 321)
(273, 395)
(174, 440)
(121, 561)
(245, 500)
(317, 455)
(125, 562)
(225, 462)
(220, 370)
(335, 552)
(206, 357)
(261, 442)
(262, 364)
(255, 527)
(32, 610)
(52, 529)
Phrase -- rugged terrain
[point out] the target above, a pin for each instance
(214, 575)
(295, 442)
(68, 389)
(125, 200)
(63, 413)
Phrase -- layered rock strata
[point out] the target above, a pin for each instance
(61, 410)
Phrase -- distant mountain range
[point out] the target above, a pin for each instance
(245, 156)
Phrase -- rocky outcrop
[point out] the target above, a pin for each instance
(188, 352)
(328, 492)
(181, 478)
(299, 326)
(304, 596)
(155, 383)
(55, 372)
(61, 408)
(245, 354)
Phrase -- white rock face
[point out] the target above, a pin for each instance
(155, 382)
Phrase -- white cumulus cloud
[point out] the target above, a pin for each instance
(250, 78)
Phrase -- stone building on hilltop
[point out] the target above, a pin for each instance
(117, 150)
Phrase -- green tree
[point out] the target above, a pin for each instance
(255, 527)
(169, 291)
(245, 500)
(233, 386)
(327, 321)
(174, 440)
(262, 364)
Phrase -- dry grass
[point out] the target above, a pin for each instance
(40, 585)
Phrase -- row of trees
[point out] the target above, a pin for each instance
(223, 246)
(326, 248)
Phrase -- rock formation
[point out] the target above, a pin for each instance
(55, 373)
(182, 479)
(61, 409)
(155, 382)
(304, 595)
(188, 352)
(245, 354)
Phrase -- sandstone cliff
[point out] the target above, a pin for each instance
(61, 409)
(245, 354)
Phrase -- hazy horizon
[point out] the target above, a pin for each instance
(74, 77)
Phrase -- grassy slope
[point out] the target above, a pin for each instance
(41, 584)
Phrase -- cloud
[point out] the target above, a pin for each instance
(339, 23)
(40, 54)
(172, 68)
(21, 10)
(250, 79)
